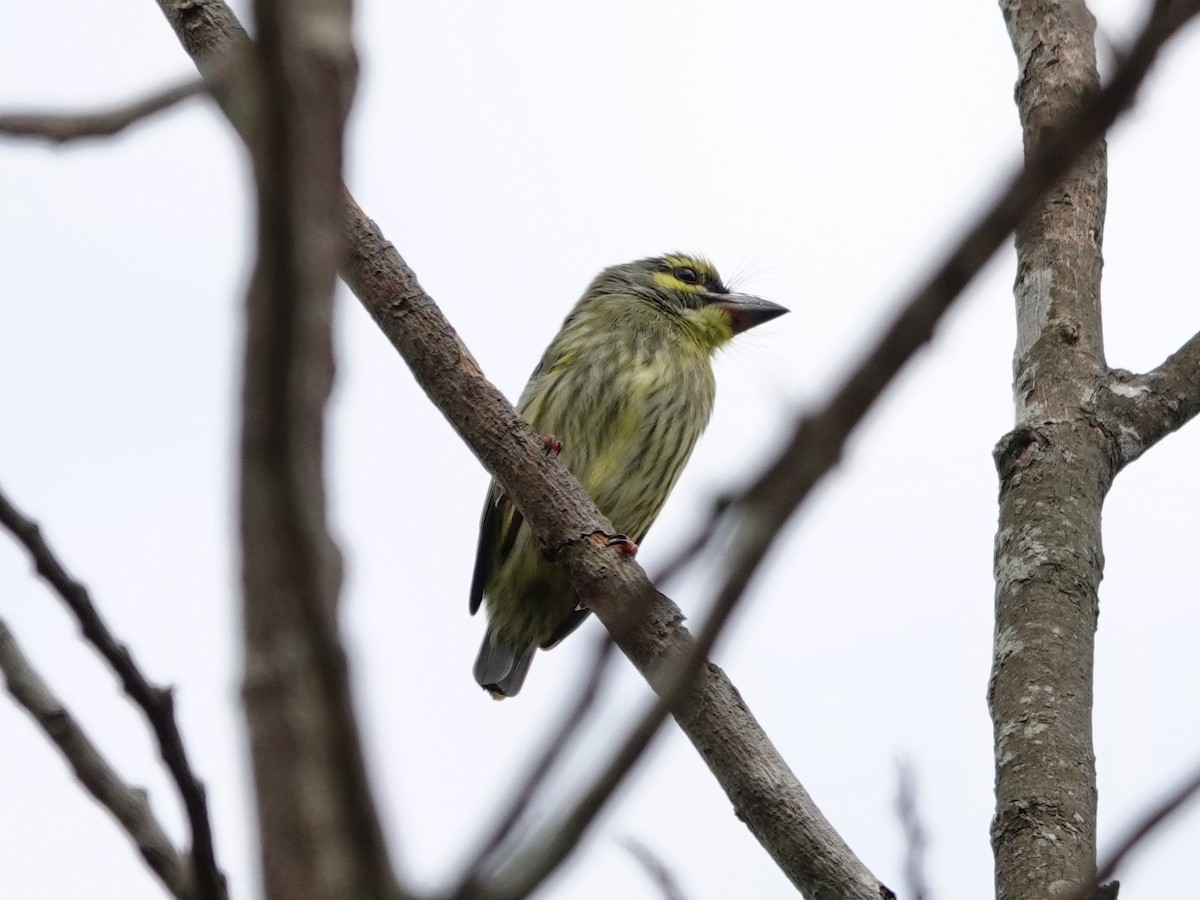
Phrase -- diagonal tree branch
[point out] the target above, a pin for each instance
(645, 625)
(1153, 818)
(786, 808)
(127, 805)
(543, 764)
(62, 127)
(658, 871)
(1138, 411)
(1103, 889)
(156, 703)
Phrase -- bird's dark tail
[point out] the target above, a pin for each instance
(501, 670)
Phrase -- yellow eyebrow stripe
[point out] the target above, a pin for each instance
(701, 265)
(671, 283)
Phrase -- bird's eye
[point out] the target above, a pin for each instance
(687, 274)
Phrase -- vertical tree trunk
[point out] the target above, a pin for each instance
(321, 837)
(1055, 469)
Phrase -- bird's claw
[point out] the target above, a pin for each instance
(552, 444)
(623, 543)
(620, 541)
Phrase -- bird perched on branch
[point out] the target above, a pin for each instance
(621, 395)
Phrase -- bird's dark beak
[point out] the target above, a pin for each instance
(746, 311)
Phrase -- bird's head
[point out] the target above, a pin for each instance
(690, 288)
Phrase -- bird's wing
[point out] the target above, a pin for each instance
(498, 527)
(569, 624)
(485, 553)
(501, 521)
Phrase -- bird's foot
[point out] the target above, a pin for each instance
(620, 541)
(623, 543)
(552, 444)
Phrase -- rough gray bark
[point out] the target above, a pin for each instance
(1054, 475)
(1077, 424)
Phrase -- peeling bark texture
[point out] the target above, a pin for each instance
(1054, 475)
(1059, 245)
(1048, 568)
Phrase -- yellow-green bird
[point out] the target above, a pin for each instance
(622, 394)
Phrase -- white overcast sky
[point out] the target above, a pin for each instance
(822, 155)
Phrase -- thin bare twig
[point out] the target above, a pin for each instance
(158, 704)
(60, 128)
(701, 539)
(532, 867)
(915, 838)
(126, 804)
(539, 770)
(1153, 818)
(1103, 889)
(654, 866)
